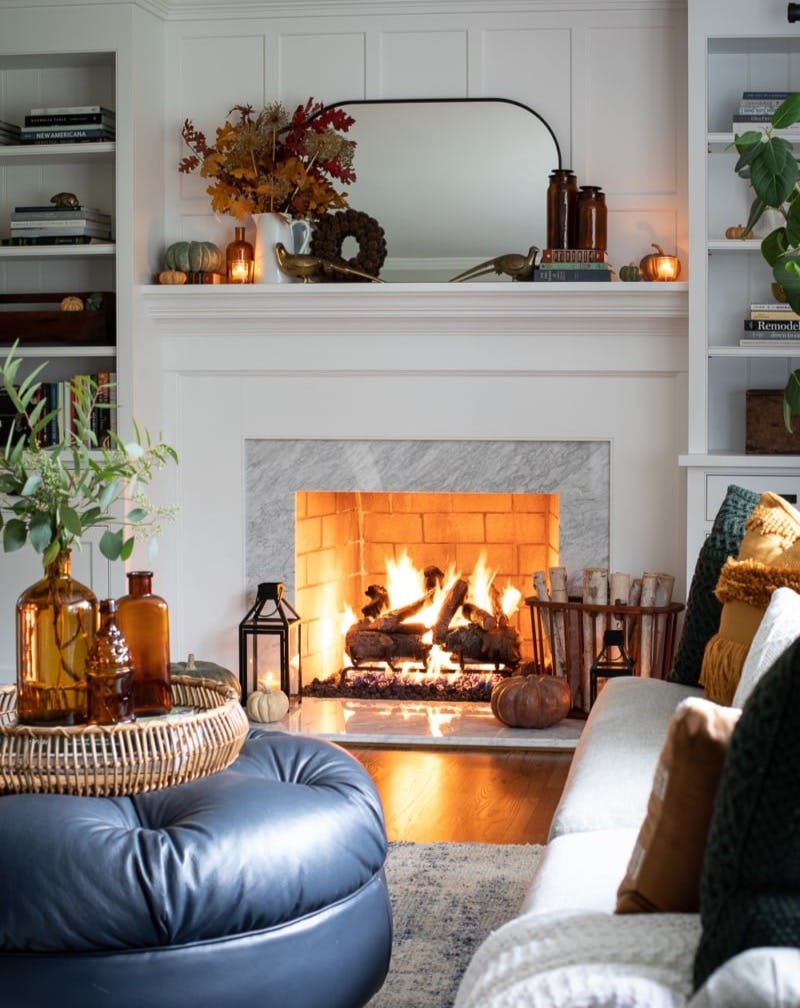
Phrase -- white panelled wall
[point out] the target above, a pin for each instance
(215, 366)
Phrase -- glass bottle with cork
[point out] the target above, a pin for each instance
(143, 619)
(109, 672)
(562, 200)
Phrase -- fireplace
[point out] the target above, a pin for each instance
(327, 516)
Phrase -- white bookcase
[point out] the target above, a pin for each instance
(733, 47)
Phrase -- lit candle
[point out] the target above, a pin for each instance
(239, 272)
(668, 268)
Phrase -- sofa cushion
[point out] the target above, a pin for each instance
(779, 627)
(750, 884)
(663, 874)
(580, 871)
(766, 559)
(745, 588)
(757, 978)
(611, 774)
(703, 608)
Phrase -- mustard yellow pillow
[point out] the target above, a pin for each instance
(769, 558)
(663, 874)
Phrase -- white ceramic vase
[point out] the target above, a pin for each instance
(271, 228)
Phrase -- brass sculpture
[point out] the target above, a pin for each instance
(513, 264)
(312, 269)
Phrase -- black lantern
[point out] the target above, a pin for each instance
(278, 662)
(613, 661)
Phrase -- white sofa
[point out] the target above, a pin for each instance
(567, 947)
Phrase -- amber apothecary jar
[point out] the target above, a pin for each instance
(592, 219)
(143, 619)
(239, 259)
(562, 200)
(56, 622)
(109, 672)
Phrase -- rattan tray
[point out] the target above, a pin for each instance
(203, 734)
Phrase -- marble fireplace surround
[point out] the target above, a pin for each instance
(257, 385)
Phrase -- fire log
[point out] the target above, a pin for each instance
(501, 647)
(450, 607)
(363, 645)
(380, 601)
(433, 577)
(497, 605)
(480, 617)
(465, 643)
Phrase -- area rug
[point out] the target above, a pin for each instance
(446, 898)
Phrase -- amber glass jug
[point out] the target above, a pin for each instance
(143, 619)
(592, 218)
(56, 623)
(562, 202)
(109, 672)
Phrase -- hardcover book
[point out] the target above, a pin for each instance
(571, 275)
(573, 256)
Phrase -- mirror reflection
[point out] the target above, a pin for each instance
(452, 183)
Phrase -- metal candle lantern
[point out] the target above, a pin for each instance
(613, 661)
(280, 622)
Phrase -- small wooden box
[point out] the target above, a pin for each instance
(765, 431)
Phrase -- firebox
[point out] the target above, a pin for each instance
(421, 581)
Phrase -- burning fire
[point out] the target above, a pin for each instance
(406, 583)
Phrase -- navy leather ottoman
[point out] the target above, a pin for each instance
(259, 886)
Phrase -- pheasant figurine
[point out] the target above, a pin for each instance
(513, 264)
(312, 269)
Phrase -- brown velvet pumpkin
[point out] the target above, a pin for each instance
(531, 701)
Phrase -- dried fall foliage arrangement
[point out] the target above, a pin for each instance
(273, 162)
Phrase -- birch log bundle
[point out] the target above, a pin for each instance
(644, 633)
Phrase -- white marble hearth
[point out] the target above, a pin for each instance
(419, 723)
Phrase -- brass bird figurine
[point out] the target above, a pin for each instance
(312, 269)
(513, 264)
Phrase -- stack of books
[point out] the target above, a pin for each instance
(9, 134)
(55, 225)
(756, 109)
(70, 124)
(573, 265)
(771, 323)
(59, 400)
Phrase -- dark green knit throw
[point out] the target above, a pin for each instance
(750, 885)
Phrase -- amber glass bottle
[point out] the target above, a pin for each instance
(143, 619)
(592, 218)
(56, 623)
(562, 202)
(109, 672)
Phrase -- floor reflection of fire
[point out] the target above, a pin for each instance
(428, 634)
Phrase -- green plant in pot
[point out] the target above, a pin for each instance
(51, 495)
(769, 163)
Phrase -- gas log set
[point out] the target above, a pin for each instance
(428, 634)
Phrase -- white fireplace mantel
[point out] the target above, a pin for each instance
(492, 361)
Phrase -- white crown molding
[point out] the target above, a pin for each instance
(184, 10)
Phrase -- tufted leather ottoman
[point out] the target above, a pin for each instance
(261, 885)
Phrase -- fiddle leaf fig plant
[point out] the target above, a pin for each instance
(769, 163)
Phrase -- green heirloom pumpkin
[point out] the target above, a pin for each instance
(630, 272)
(195, 257)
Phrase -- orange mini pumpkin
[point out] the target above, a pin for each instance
(531, 701)
(71, 303)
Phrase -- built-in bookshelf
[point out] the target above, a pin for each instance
(762, 56)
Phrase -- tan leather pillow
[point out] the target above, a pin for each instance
(664, 870)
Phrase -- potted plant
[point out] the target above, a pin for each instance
(51, 495)
(769, 164)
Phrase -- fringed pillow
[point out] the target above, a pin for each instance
(769, 558)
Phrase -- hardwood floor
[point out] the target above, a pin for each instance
(466, 795)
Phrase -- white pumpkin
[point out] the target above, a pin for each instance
(267, 705)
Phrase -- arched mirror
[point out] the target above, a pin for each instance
(451, 182)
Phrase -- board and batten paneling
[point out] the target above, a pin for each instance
(611, 82)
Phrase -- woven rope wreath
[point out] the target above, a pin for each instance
(332, 229)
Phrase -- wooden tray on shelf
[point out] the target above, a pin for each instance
(29, 319)
(202, 735)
